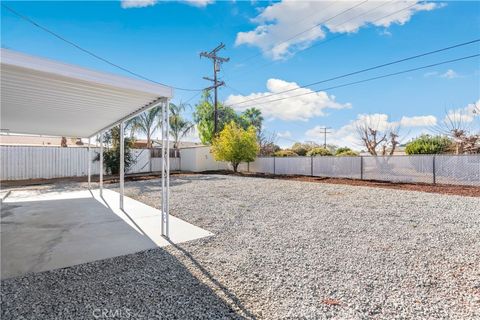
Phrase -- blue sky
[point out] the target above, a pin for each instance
(275, 46)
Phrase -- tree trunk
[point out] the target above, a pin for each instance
(235, 167)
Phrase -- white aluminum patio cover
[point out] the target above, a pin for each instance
(45, 97)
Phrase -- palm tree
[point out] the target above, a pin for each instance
(179, 127)
(146, 123)
(254, 117)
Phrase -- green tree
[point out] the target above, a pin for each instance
(111, 154)
(146, 123)
(204, 117)
(303, 148)
(427, 144)
(179, 126)
(342, 150)
(319, 151)
(346, 153)
(253, 117)
(235, 145)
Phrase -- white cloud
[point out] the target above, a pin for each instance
(450, 74)
(280, 33)
(418, 121)
(284, 134)
(302, 107)
(126, 4)
(199, 3)
(464, 115)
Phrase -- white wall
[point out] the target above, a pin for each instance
(199, 159)
(31, 162)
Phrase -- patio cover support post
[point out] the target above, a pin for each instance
(101, 163)
(122, 163)
(89, 164)
(165, 168)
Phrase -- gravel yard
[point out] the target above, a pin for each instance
(281, 250)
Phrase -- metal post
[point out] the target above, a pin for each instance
(89, 168)
(101, 164)
(361, 167)
(165, 169)
(311, 165)
(434, 171)
(274, 165)
(122, 163)
(167, 161)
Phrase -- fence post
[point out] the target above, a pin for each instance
(434, 171)
(248, 166)
(274, 165)
(361, 167)
(311, 165)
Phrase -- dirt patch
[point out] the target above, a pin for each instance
(468, 191)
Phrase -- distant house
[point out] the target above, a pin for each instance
(31, 140)
(142, 144)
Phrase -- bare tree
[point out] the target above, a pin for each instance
(267, 143)
(458, 126)
(378, 142)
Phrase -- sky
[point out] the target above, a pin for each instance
(277, 46)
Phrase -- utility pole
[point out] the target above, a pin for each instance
(324, 129)
(217, 61)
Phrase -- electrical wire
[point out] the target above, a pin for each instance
(90, 52)
(302, 32)
(368, 79)
(333, 38)
(366, 70)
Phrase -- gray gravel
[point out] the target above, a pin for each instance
(281, 250)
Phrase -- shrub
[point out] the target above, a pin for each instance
(319, 152)
(347, 153)
(235, 145)
(427, 144)
(111, 155)
(342, 150)
(285, 153)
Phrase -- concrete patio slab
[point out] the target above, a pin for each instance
(48, 230)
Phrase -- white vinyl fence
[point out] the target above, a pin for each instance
(446, 169)
(30, 162)
(18, 163)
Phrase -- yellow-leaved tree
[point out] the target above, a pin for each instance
(235, 145)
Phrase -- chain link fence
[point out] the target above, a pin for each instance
(444, 169)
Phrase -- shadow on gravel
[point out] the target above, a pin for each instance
(145, 285)
(215, 282)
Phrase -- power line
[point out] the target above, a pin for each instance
(90, 52)
(302, 32)
(364, 70)
(339, 36)
(371, 79)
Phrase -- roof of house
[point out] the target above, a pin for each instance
(28, 140)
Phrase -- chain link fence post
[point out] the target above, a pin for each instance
(434, 171)
(361, 167)
(274, 165)
(311, 165)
